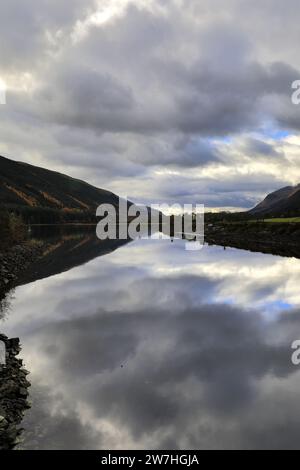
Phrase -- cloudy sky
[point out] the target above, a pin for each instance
(158, 100)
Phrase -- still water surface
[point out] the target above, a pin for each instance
(152, 346)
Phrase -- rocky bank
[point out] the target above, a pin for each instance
(13, 394)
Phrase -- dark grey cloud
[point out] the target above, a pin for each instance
(45, 431)
(207, 97)
(87, 99)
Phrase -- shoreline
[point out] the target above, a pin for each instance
(278, 240)
(15, 260)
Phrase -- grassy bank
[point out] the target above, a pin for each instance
(283, 220)
(279, 238)
(261, 227)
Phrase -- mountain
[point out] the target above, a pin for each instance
(32, 190)
(285, 201)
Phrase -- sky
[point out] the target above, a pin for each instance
(161, 101)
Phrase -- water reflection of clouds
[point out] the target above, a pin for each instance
(154, 379)
(157, 347)
(254, 279)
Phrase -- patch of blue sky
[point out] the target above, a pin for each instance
(278, 134)
(276, 306)
(272, 131)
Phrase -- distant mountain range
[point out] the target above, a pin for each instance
(33, 190)
(44, 196)
(285, 201)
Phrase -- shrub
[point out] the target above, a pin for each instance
(12, 228)
(17, 228)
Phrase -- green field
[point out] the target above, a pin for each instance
(287, 220)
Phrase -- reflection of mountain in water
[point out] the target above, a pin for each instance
(70, 246)
(66, 248)
(13, 394)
